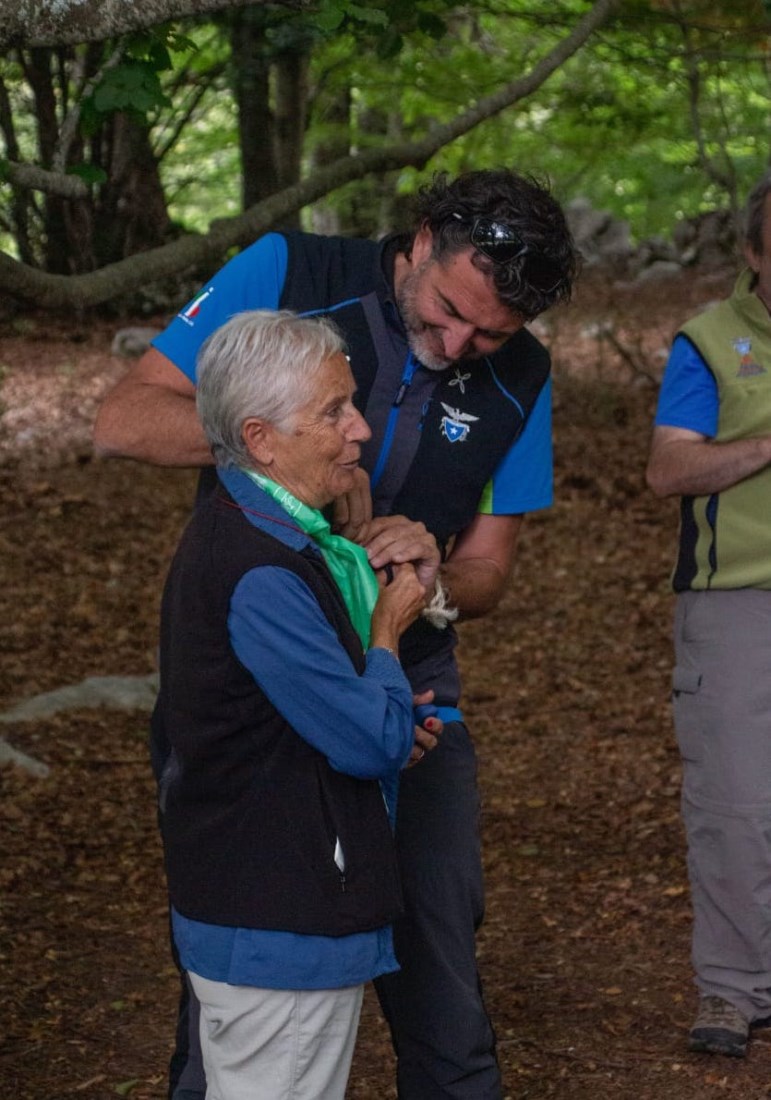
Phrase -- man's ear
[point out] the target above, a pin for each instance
(257, 435)
(421, 246)
(751, 256)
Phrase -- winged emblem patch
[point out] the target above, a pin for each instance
(456, 424)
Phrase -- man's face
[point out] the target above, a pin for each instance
(450, 308)
(761, 262)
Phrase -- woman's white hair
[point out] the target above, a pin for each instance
(258, 364)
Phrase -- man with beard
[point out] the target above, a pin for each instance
(456, 393)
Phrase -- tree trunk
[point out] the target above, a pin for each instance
(38, 69)
(129, 214)
(333, 114)
(251, 88)
(132, 215)
(291, 94)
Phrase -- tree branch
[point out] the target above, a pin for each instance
(80, 291)
(32, 178)
(72, 22)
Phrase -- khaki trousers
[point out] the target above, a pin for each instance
(722, 713)
(269, 1044)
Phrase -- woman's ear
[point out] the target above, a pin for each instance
(257, 435)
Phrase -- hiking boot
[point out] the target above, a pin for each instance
(720, 1028)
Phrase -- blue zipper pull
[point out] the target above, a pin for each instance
(388, 437)
(401, 393)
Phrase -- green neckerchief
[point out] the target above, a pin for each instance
(347, 562)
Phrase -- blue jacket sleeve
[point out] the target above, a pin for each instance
(689, 396)
(362, 724)
(523, 481)
(254, 279)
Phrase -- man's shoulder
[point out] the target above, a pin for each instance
(710, 315)
(301, 243)
(324, 270)
(732, 310)
(524, 351)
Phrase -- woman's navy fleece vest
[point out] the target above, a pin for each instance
(249, 822)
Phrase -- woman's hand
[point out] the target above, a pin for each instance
(400, 602)
(353, 512)
(427, 734)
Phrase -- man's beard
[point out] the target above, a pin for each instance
(421, 337)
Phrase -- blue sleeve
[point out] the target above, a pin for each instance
(523, 481)
(253, 279)
(362, 724)
(689, 396)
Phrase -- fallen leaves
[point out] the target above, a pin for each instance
(584, 952)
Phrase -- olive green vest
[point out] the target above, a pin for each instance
(725, 538)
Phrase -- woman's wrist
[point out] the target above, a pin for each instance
(388, 644)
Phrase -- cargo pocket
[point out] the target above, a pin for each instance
(686, 686)
(685, 680)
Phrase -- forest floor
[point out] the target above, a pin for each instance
(584, 952)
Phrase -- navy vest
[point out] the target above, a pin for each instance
(465, 428)
(250, 810)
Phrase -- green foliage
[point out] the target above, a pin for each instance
(382, 30)
(333, 14)
(616, 123)
(125, 1088)
(134, 84)
(89, 173)
(131, 86)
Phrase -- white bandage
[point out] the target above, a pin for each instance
(437, 612)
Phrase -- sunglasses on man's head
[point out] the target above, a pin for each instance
(503, 245)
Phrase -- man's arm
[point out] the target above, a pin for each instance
(479, 567)
(686, 463)
(150, 415)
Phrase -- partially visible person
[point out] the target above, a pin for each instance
(456, 392)
(282, 722)
(712, 447)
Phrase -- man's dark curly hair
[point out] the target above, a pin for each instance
(521, 202)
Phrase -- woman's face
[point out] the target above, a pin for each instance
(316, 459)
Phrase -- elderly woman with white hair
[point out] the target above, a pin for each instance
(282, 721)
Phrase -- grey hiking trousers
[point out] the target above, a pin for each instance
(722, 715)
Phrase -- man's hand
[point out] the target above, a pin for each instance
(353, 511)
(394, 540)
(426, 735)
